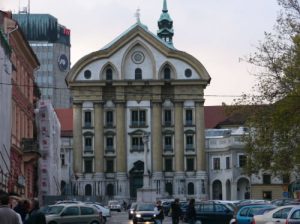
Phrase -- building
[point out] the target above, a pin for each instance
(136, 86)
(65, 117)
(49, 130)
(23, 151)
(51, 43)
(5, 111)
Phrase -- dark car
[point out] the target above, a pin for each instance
(131, 210)
(144, 212)
(211, 212)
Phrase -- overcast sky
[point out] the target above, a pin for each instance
(217, 32)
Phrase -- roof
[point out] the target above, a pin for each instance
(65, 117)
(213, 115)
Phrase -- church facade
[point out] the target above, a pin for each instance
(139, 90)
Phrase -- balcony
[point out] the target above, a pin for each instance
(88, 150)
(138, 124)
(168, 148)
(110, 150)
(137, 148)
(109, 125)
(167, 123)
(189, 123)
(30, 149)
(87, 125)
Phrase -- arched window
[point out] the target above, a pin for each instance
(167, 73)
(109, 74)
(110, 190)
(138, 74)
(88, 190)
(190, 189)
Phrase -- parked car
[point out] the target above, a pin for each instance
(115, 206)
(276, 216)
(245, 213)
(72, 213)
(104, 211)
(294, 216)
(145, 212)
(208, 212)
(131, 210)
(283, 201)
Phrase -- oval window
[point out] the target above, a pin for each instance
(188, 73)
(87, 74)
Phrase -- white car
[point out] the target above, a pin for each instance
(114, 206)
(276, 216)
(105, 211)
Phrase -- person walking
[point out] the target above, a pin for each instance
(191, 212)
(159, 213)
(176, 211)
(35, 216)
(7, 215)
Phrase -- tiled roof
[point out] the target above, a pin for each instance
(65, 117)
(213, 115)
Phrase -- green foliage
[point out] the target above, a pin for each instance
(274, 113)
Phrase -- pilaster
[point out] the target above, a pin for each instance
(121, 159)
(200, 136)
(179, 143)
(99, 141)
(157, 137)
(77, 138)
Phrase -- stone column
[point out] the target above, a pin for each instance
(121, 160)
(200, 136)
(179, 135)
(77, 138)
(157, 138)
(99, 145)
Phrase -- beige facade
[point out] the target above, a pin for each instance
(139, 85)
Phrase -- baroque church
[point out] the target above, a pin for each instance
(139, 100)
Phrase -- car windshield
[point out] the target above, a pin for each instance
(54, 210)
(145, 207)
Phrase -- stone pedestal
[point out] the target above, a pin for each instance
(146, 195)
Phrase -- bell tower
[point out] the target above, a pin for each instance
(165, 25)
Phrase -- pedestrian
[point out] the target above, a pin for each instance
(191, 212)
(176, 211)
(23, 208)
(7, 215)
(13, 203)
(159, 213)
(35, 216)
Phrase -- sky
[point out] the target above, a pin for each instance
(219, 33)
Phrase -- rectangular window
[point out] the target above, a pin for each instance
(168, 165)
(168, 143)
(266, 179)
(110, 143)
(138, 118)
(216, 163)
(109, 118)
(137, 143)
(88, 144)
(189, 142)
(188, 117)
(87, 118)
(190, 164)
(62, 159)
(88, 166)
(228, 162)
(168, 118)
(109, 166)
(242, 160)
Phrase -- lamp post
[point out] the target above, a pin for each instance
(146, 174)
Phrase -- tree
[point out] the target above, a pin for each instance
(273, 142)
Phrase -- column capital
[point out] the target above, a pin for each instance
(199, 102)
(77, 104)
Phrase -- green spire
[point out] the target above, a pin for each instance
(165, 25)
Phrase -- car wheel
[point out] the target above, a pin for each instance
(52, 223)
(95, 222)
(198, 222)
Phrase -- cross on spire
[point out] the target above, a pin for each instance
(138, 15)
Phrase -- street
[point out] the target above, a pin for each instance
(122, 218)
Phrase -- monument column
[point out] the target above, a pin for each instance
(77, 138)
(99, 145)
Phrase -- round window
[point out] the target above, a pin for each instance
(188, 73)
(87, 74)
(137, 57)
